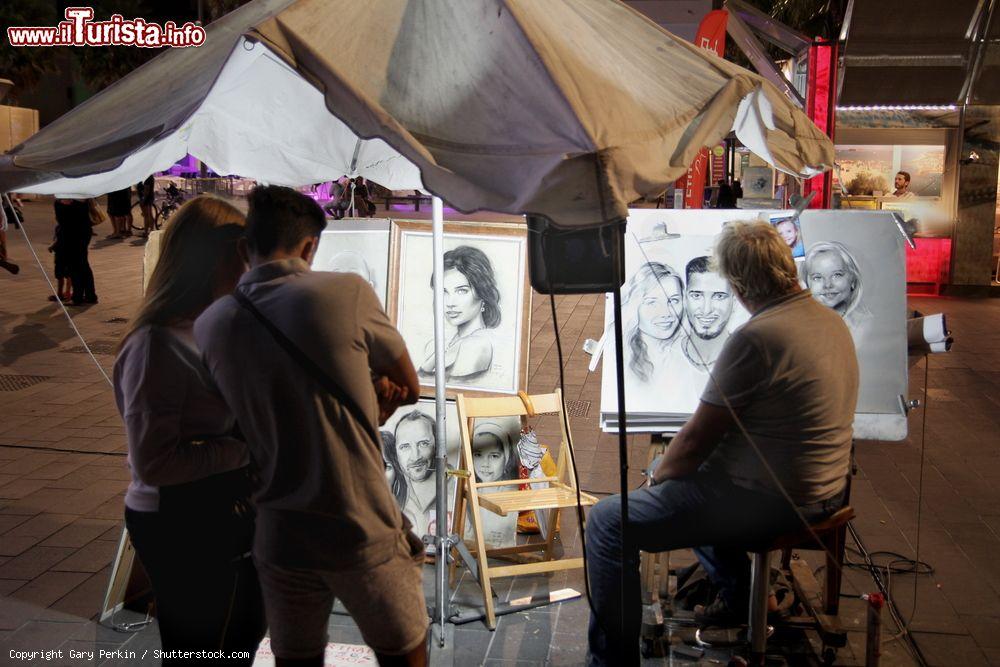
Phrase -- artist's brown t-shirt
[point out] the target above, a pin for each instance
(791, 373)
(324, 501)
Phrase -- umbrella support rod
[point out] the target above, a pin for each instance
(442, 542)
(632, 658)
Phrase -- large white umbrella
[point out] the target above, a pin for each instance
(564, 108)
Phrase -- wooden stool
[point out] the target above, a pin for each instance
(828, 535)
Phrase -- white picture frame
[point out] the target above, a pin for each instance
(359, 246)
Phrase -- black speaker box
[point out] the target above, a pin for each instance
(575, 261)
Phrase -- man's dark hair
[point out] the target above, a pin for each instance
(415, 416)
(279, 218)
(904, 174)
(697, 265)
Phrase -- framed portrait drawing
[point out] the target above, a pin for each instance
(495, 458)
(408, 449)
(758, 183)
(355, 245)
(487, 303)
(790, 231)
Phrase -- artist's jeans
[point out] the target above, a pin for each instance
(704, 510)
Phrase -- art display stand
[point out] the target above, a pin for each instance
(562, 493)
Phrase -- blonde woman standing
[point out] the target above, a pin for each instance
(188, 508)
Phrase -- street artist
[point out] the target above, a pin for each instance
(788, 379)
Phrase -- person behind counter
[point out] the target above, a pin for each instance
(712, 489)
(902, 183)
(188, 508)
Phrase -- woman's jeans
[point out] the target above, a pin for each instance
(706, 511)
(207, 596)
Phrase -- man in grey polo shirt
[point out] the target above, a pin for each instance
(327, 526)
(789, 379)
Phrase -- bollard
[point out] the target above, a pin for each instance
(873, 642)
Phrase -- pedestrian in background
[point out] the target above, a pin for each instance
(146, 192)
(73, 217)
(726, 197)
(61, 253)
(120, 212)
(4, 262)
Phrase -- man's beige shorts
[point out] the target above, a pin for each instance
(386, 602)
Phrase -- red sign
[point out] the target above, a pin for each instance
(712, 32)
(711, 37)
(821, 95)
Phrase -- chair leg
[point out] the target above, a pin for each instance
(551, 527)
(834, 570)
(647, 575)
(760, 580)
(458, 525)
(482, 558)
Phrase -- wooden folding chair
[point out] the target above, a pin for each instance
(560, 494)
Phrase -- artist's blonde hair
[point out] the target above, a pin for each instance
(756, 261)
(198, 244)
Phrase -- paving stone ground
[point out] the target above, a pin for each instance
(63, 475)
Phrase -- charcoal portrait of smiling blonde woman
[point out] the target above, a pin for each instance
(832, 275)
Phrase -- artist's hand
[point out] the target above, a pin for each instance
(651, 472)
(390, 396)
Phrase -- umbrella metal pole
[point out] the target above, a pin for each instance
(631, 656)
(441, 542)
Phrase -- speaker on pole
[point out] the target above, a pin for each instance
(590, 261)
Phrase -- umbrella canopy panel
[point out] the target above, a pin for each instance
(564, 109)
(142, 107)
(262, 119)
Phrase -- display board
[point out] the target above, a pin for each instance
(357, 245)
(495, 458)
(487, 304)
(408, 447)
(855, 263)
(676, 319)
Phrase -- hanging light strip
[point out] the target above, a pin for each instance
(899, 107)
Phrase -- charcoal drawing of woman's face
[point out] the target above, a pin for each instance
(461, 304)
(660, 309)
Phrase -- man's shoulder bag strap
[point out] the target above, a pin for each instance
(312, 368)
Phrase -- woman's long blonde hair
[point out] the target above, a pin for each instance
(198, 244)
